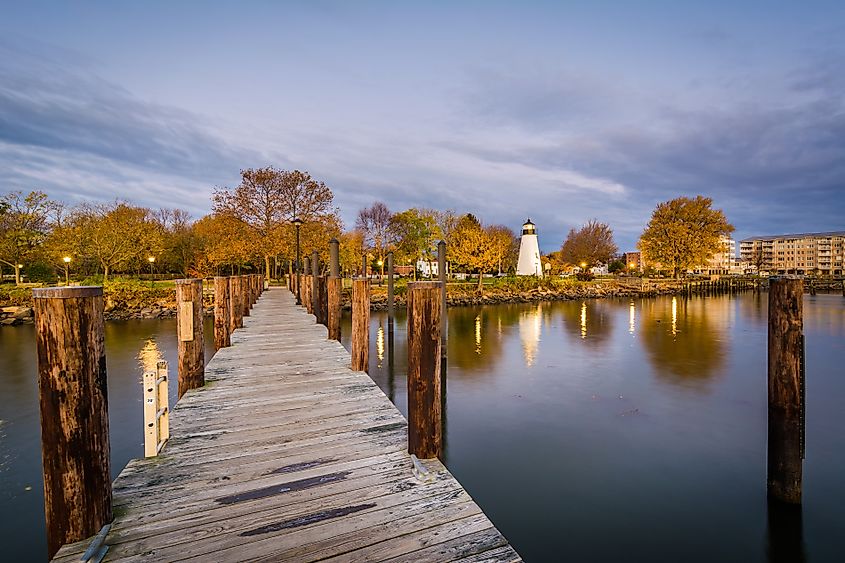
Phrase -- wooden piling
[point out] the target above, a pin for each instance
(324, 301)
(425, 438)
(785, 390)
(189, 311)
(233, 311)
(334, 285)
(441, 272)
(73, 394)
(245, 304)
(221, 313)
(361, 324)
(390, 305)
(316, 307)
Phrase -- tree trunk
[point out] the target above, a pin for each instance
(105, 273)
(17, 275)
(480, 280)
(267, 266)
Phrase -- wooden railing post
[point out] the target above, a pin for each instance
(306, 283)
(361, 324)
(333, 290)
(316, 308)
(441, 274)
(786, 390)
(390, 304)
(425, 439)
(233, 310)
(324, 301)
(189, 311)
(245, 298)
(221, 313)
(74, 412)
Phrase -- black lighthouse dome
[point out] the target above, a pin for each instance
(529, 228)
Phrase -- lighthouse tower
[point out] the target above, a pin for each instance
(529, 252)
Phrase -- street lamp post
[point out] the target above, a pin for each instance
(297, 222)
(67, 268)
(151, 260)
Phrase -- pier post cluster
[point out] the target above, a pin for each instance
(321, 297)
(73, 390)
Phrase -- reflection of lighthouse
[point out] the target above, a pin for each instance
(529, 252)
(530, 327)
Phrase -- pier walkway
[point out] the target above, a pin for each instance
(287, 454)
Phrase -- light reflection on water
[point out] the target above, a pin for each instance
(638, 427)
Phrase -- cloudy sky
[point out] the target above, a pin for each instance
(561, 111)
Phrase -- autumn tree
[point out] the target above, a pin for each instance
(374, 223)
(415, 233)
(180, 244)
(224, 242)
(117, 236)
(472, 246)
(590, 245)
(684, 233)
(24, 225)
(266, 202)
(351, 249)
(504, 245)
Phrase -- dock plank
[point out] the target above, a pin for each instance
(286, 454)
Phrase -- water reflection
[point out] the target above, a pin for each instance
(478, 334)
(380, 344)
(692, 345)
(632, 318)
(149, 355)
(530, 327)
(591, 320)
(785, 533)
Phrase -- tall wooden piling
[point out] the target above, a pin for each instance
(390, 305)
(245, 303)
(334, 285)
(316, 307)
(425, 439)
(441, 273)
(74, 412)
(189, 311)
(786, 390)
(221, 313)
(361, 324)
(233, 309)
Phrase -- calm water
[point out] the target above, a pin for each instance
(588, 431)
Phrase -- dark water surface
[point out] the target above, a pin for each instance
(609, 430)
(618, 430)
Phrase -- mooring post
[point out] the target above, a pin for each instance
(333, 290)
(324, 300)
(221, 312)
(189, 334)
(233, 305)
(306, 283)
(315, 286)
(786, 390)
(441, 273)
(425, 438)
(74, 412)
(246, 301)
(361, 324)
(390, 311)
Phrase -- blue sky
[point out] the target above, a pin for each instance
(561, 111)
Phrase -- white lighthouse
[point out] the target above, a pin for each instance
(529, 252)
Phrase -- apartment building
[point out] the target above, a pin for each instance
(722, 262)
(800, 253)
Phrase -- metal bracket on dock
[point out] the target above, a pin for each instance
(97, 550)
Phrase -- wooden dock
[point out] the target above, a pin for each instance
(286, 454)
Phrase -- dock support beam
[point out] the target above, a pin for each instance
(425, 437)
(361, 324)
(74, 413)
(221, 313)
(390, 305)
(786, 390)
(189, 311)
